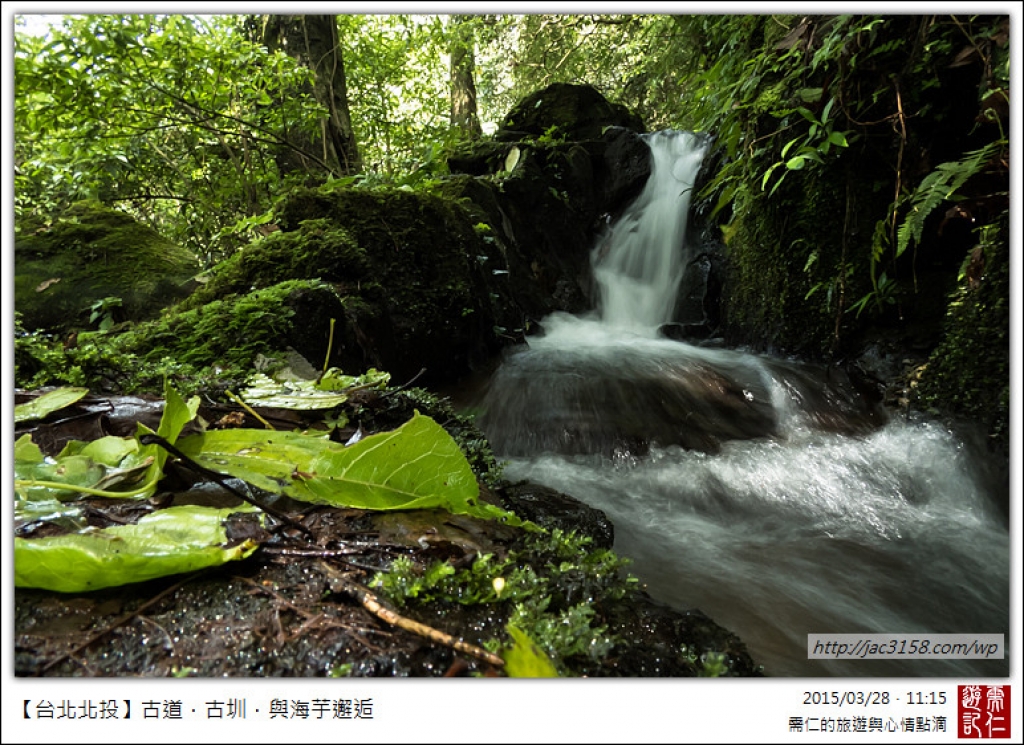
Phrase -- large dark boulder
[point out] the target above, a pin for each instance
(443, 280)
(409, 268)
(563, 110)
(91, 253)
(545, 203)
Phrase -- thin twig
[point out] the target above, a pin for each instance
(340, 583)
(312, 618)
(405, 385)
(149, 439)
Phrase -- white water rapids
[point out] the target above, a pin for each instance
(780, 527)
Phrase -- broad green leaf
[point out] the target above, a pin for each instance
(810, 95)
(109, 450)
(335, 380)
(27, 451)
(81, 469)
(524, 659)
(97, 467)
(807, 115)
(331, 390)
(170, 541)
(294, 395)
(417, 466)
(512, 159)
(768, 175)
(176, 415)
(796, 162)
(66, 478)
(828, 110)
(838, 138)
(48, 403)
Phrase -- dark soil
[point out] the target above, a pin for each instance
(275, 614)
(280, 612)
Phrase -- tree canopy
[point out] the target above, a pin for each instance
(197, 124)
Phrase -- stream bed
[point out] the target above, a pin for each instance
(767, 493)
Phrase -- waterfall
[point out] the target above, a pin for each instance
(764, 492)
(639, 262)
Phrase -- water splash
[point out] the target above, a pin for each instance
(766, 493)
(639, 262)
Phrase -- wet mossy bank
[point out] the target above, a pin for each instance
(866, 219)
(65, 270)
(279, 613)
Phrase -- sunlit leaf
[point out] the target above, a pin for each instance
(524, 659)
(417, 466)
(170, 541)
(330, 391)
(335, 380)
(103, 467)
(48, 403)
(838, 138)
(108, 467)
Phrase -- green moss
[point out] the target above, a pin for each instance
(968, 374)
(92, 252)
(215, 342)
(796, 260)
(318, 249)
(550, 587)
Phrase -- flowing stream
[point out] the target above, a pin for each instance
(761, 491)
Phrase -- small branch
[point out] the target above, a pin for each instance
(405, 385)
(219, 478)
(340, 583)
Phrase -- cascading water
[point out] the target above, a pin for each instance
(639, 262)
(765, 493)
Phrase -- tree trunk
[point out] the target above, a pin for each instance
(463, 90)
(313, 41)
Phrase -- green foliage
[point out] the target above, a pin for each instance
(97, 467)
(968, 374)
(417, 466)
(524, 659)
(103, 312)
(331, 390)
(710, 664)
(813, 147)
(47, 403)
(149, 113)
(461, 426)
(939, 186)
(169, 541)
(547, 588)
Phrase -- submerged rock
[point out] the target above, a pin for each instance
(598, 400)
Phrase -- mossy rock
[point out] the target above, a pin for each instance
(407, 264)
(232, 331)
(563, 110)
(968, 374)
(90, 253)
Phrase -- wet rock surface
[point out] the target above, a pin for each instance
(275, 614)
(280, 611)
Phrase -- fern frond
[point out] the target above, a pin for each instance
(938, 186)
